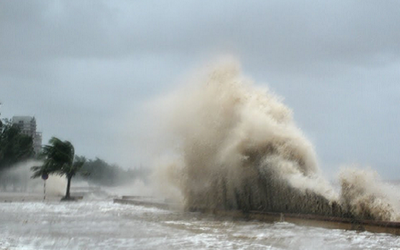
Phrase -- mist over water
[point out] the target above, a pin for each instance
(18, 178)
(239, 148)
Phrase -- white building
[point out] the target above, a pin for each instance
(27, 125)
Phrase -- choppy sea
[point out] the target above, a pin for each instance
(105, 225)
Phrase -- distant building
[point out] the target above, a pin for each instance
(27, 125)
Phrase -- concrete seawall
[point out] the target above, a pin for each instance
(299, 219)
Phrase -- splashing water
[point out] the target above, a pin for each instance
(239, 148)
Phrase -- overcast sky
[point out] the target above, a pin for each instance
(85, 68)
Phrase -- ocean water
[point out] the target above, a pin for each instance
(105, 225)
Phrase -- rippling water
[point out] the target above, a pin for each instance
(105, 225)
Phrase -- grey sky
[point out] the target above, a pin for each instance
(85, 68)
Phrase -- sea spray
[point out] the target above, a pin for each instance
(365, 196)
(18, 178)
(239, 148)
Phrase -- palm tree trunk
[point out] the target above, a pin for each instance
(68, 186)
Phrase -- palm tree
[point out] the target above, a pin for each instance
(59, 158)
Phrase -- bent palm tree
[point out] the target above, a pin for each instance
(59, 159)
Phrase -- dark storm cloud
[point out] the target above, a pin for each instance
(84, 67)
(279, 33)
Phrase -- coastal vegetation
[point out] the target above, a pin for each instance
(15, 147)
(58, 157)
